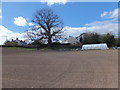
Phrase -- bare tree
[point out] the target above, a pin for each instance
(47, 25)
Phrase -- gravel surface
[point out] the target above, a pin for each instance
(70, 69)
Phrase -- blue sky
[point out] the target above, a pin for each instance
(78, 17)
(75, 14)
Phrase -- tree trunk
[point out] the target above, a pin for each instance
(49, 42)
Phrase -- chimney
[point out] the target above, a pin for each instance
(17, 39)
(12, 40)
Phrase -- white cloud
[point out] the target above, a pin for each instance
(6, 34)
(30, 24)
(74, 31)
(101, 27)
(51, 2)
(104, 14)
(20, 21)
(111, 14)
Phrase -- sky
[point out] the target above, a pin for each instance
(78, 17)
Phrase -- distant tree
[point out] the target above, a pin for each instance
(47, 25)
(117, 42)
(91, 38)
(109, 39)
(80, 37)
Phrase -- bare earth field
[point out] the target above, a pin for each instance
(52, 69)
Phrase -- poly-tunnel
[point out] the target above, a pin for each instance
(95, 46)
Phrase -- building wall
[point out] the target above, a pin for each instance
(10, 44)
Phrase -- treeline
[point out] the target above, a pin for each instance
(89, 38)
(95, 38)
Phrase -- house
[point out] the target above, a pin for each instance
(74, 41)
(71, 40)
(10, 43)
(20, 42)
(16, 42)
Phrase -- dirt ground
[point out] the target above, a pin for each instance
(52, 69)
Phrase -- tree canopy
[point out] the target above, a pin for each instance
(47, 26)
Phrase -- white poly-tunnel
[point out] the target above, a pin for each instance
(95, 46)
